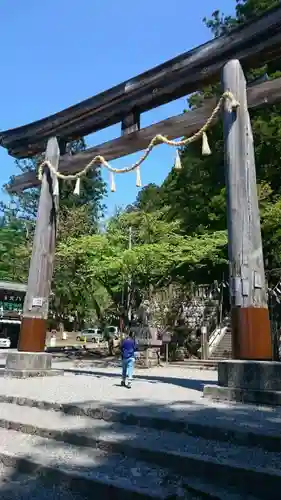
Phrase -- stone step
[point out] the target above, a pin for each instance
(197, 364)
(88, 471)
(92, 472)
(260, 428)
(21, 486)
(37, 468)
(224, 344)
(226, 341)
(231, 394)
(171, 458)
(223, 347)
(221, 356)
(46, 484)
(221, 353)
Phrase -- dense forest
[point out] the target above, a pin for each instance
(177, 230)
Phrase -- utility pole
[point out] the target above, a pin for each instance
(251, 337)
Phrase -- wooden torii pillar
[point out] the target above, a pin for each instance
(251, 336)
(252, 376)
(35, 312)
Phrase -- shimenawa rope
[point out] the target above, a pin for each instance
(157, 140)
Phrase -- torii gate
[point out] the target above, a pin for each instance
(254, 43)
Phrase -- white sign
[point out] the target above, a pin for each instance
(166, 338)
(37, 302)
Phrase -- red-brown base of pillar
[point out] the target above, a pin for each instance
(32, 335)
(251, 336)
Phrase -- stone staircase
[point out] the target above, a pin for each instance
(82, 451)
(221, 347)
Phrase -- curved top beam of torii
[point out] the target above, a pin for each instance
(253, 43)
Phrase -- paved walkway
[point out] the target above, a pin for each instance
(165, 392)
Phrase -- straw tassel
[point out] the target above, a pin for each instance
(234, 104)
(138, 179)
(40, 173)
(56, 186)
(206, 151)
(77, 187)
(112, 183)
(178, 165)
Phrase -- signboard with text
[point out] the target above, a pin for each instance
(11, 303)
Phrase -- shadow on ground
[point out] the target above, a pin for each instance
(15, 484)
(184, 382)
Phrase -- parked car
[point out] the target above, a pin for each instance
(91, 335)
(111, 332)
(112, 336)
(5, 342)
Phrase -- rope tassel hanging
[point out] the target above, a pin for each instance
(206, 151)
(56, 187)
(77, 187)
(138, 179)
(112, 183)
(178, 165)
(40, 172)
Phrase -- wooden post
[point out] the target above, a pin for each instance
(204, 342)
(167, 352)
(130, 123)
(35, 310)
(251, 338)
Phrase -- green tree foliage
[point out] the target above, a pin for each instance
(14, 251)
(92, 192)
(266, 123)
(76, 290)
(159, 255)
(196, 196)
(78, 214)
(149, 198)
(245, 11)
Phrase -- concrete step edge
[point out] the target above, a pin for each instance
(220, 472)
(205, 479)
(73, 480)
(196, 361)
(199, 367)
(238, 395)
(196, 489)
(267, 441)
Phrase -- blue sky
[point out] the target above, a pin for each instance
(55, 53)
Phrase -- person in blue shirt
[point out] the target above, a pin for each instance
(128, 349)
